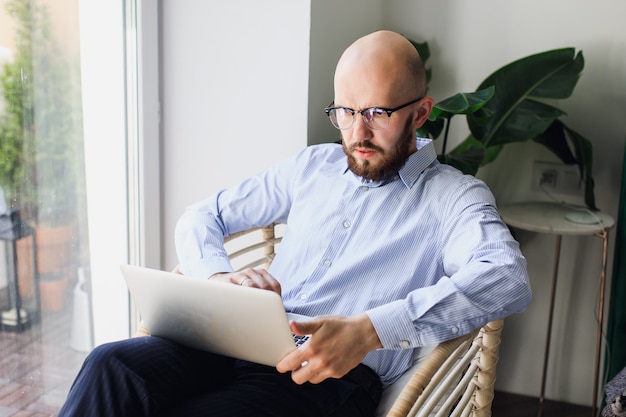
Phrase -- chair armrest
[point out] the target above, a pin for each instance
(423, 375)
(456, 378)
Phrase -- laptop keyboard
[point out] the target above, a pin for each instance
(299, 340)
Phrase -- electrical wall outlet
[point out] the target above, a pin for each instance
(556, 178)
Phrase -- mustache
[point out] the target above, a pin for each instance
(365, 144)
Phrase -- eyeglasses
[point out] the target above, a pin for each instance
(376, 118)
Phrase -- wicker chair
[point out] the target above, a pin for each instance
(455, 379)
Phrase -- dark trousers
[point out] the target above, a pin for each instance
(150, 376)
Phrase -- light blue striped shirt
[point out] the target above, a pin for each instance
(425, 254)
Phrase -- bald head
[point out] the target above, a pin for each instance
(383, 61)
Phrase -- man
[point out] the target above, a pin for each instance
(389, 251)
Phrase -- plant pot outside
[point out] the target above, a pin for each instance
(25, 269)
(54, 252)
(54, 248)
(53, 291)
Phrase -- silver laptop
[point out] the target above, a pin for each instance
(240, 322)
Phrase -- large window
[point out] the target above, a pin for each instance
(57, 107)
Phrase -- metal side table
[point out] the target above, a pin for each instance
(559, 219)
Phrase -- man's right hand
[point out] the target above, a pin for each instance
(250, 277)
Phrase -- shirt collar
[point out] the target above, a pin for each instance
(418, 162)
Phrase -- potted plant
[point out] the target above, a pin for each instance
(515, 104)
(37, 134)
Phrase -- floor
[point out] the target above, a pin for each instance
(513, 405)
(37, 367)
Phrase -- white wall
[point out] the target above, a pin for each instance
(333, 28)
(234, 95)
(468, 41)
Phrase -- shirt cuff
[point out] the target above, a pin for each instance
(205, 267)
(394, 327)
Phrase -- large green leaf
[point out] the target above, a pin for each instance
(431, 129)
(466, 161)
(519, 107)
(557, 138)
(489, 154)
(468, 143)
(584, 154)
(461, 103)
(554, 139)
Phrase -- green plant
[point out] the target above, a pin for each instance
(515, 104)
(37, 134)
(16, 124)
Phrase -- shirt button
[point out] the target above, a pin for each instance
(346, 224)
(327, 263)
(365, 188)
(405, 344)
(454, 329)
(303, 297)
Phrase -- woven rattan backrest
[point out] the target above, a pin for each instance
(254, 247)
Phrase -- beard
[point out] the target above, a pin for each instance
(392, 160)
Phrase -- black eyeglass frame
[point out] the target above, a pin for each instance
(387, 110)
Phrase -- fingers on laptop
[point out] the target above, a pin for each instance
(256, 278)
